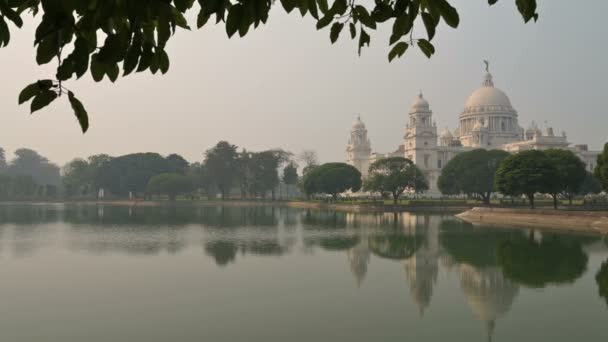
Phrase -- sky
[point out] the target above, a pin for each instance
(286, 86)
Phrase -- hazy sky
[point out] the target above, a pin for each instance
(284, 85)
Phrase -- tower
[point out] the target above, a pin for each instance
(421, 139)
(359, 149)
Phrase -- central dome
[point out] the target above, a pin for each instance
(488, 96)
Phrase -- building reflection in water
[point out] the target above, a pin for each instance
(490, 265)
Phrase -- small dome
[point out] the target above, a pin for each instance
(358, 125)
(446, 135)
(420, 105)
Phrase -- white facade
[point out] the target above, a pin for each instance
(488, 121)
(359, 149)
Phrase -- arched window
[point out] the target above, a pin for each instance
(502, 126)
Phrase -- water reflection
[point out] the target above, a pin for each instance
(491, 265)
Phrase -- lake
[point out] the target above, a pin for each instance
(201, 273)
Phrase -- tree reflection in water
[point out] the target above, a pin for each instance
(555, 259)
(602, 281)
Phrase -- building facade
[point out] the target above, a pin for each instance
(488, 121)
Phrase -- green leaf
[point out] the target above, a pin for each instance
(426, 47)
(448, 13)
(364, 39)
(527, 8)
(322, 4)
(326, 20)
(335, 30)
(233, 22)
(397, 51)
(81, 114)
(163, 61)
(112, 71)
(353, 30)
(202, 19)
(338, 7)
(47, 49)
(28, 92)
(364, 17)
(429, 23)
(98, 70)
(10, 14)
(43, 99)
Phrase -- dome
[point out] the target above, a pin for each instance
(488, 96)
(358, 125)
(420, 105)
(446, 135)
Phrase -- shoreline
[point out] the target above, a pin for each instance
(580, 221)
(352, 207)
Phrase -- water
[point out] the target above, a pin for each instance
(87, 273)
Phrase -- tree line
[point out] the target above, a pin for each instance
(557, 173)
(224, 171)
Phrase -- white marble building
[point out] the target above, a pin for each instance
(488, 121)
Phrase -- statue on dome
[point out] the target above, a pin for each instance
(487, 65)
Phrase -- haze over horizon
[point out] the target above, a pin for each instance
(285, 86)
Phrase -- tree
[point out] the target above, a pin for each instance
(131, 173)
(601, 168)
(554, 259)
(3, 163)
(471, 173)
(602, 281)
(177, 163)
(526, 173)
(290, 173)
(310, 160)
(170, 184)
(77, 177)
(591, 185)
(571, 173)
(390, 176)
(29, 163)
(332, 179)
(418, 182)
(221, 163)
(99, 35)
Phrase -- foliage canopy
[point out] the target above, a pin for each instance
(471, 173)
(103, 37)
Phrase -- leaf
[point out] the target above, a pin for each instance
(43, 99)
(364, 17)
(233, 22)
(11, 14)
(448, 13)
(426, 47)
(47, 49)
(492, 2)
(353, 30)
(323, 7)
(397, 51)
(163, 61)
(326, 20)
(81, 114)
(202, 19)
(527, 8)
(363, 40)
(339, 7)
(334, 33)
(28, 92)
(112, 72)
(97, 69)
(429, 23)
